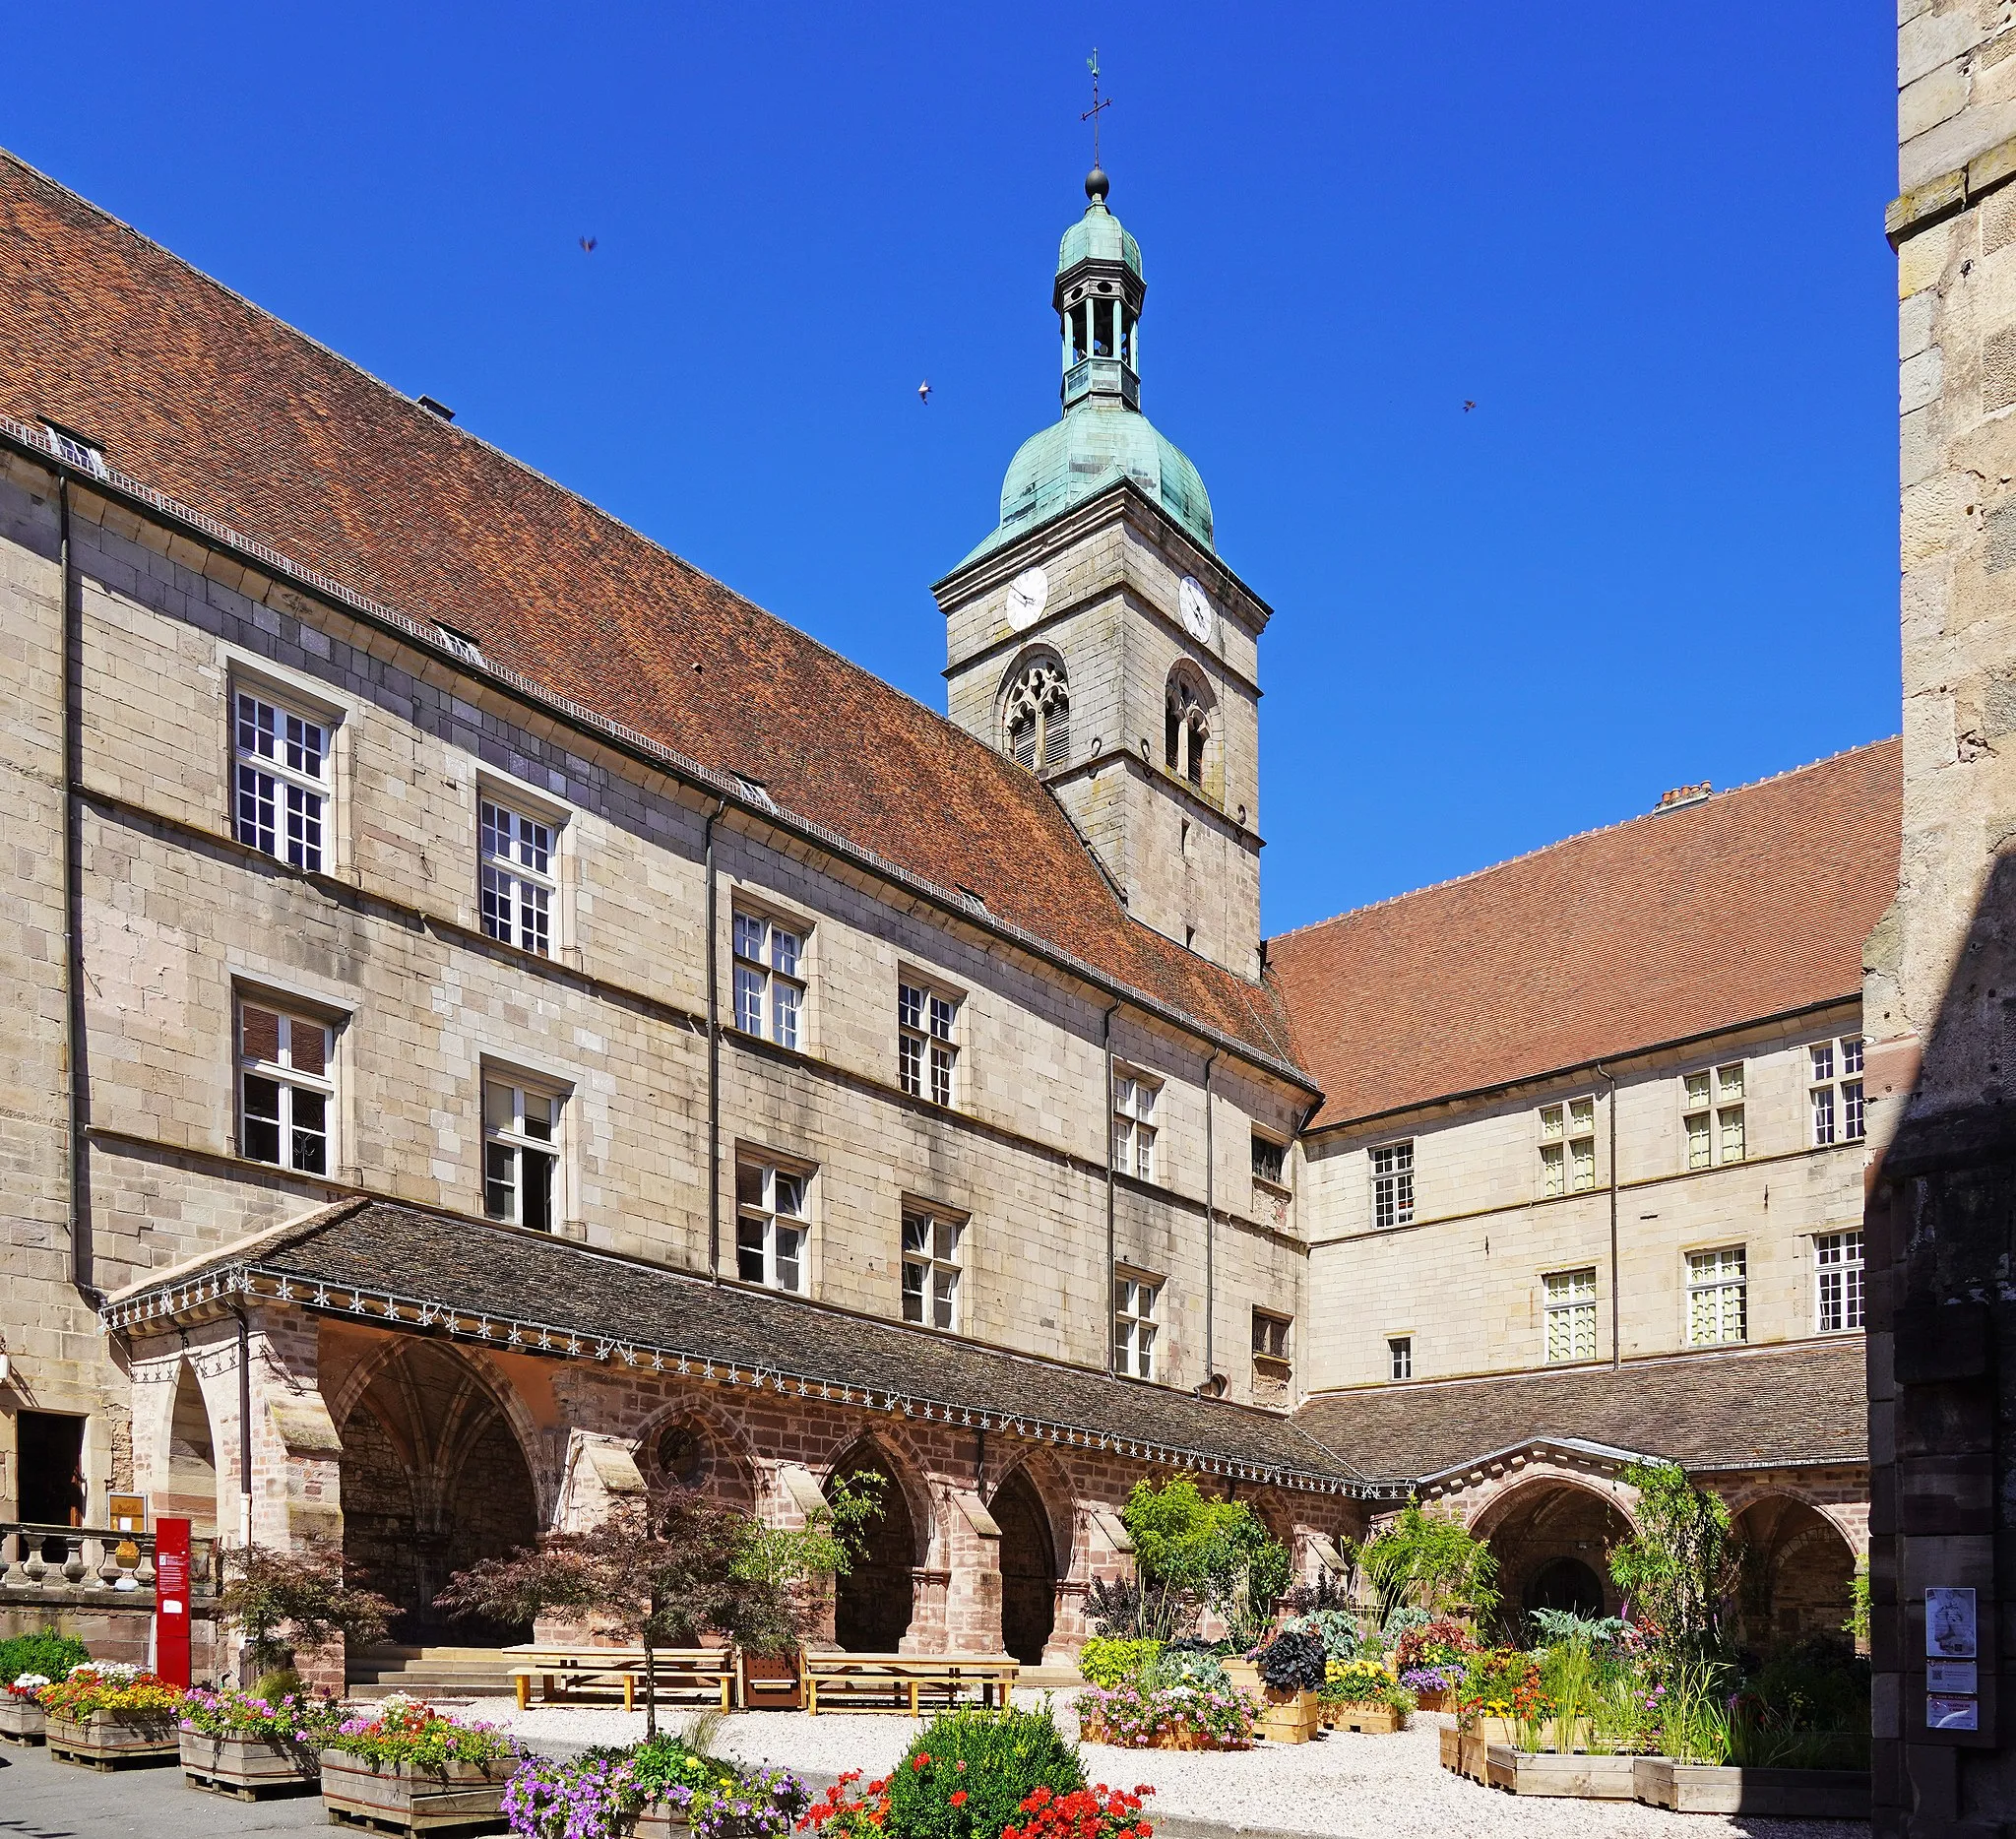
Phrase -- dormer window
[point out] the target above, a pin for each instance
(1038, 715)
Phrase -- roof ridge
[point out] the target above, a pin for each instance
(1578, 836)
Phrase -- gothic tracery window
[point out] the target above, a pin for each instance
(1186, 729)
(1038, 715)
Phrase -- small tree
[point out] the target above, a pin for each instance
(1430, 1564)
(667, 1571)
(1681, 1567)
(289, 1600)
(802, 1561)
(1189, 1548)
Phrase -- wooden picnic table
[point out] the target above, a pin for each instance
(704, 1669)
(903, 1678)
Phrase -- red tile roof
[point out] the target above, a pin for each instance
(205, 398)
(1748, 904)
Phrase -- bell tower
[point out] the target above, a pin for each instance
(1096, 636)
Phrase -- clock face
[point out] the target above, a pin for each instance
(1195, 606)
(1027, 593)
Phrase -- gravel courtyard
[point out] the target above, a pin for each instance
(1340, 1787)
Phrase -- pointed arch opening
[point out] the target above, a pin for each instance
(191, 1490)
(1028, 1568)
(433, 1478)
(1186, 723)
(875, 1599)
(1036, 712)
(1798, 1579)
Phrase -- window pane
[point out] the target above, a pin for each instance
(1697, 1089)
(944, 1295)
(790, 1243)
(910, 1005)
(1144, 1100)
(540, 1109)
(261, 1034)
(500, 1182)
(495, 898)
(1552, 1179)
(1584, 1149)
(791, 1194)
(748, 937)
(784, 951)
(1823, 1060)
(538, 1190)
(941, 1073)
(945, 1237)
(913, 1292)
(1732, 1135)
(749, 1184)
(309, 1148)
(1854, 1118)
(1852, 1054)
(1550, 1120)
(261, 1119)
(748, 999)
(910, 1066)
(1697, 1141)
(749, 1250)
(784, 1000)
(916, 1234)
(1823, 1114)
(1729, 1081)
(1582, 1116)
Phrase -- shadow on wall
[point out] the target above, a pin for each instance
(1941, 1252)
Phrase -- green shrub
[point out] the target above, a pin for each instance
(277, 1684)
(1105, 1661)
(992, 1759)
(46, 1652)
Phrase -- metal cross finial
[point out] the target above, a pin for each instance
(1098, 107)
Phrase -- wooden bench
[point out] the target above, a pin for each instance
(705, 1671)
(902, 1682)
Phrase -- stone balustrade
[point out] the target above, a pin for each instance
(89, 1561)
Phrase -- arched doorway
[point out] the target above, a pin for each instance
(191, 1492)
(875, 1598)
(1552, 1542)
(433, 1478)
(1797, 1577)
(1028, 1568)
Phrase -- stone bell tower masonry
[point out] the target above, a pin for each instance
(1096, 636)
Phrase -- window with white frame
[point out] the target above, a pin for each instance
(517, 869)
(931, 1268)
(1718, 1296)
(280, 780)
(925, 1052)
(1713, 1116)
(521, 1152)
(1134, 1323)
(1134, 1124)
(1393, 1184)
(771, 1226)
(1835, 1091)
(1400, 1356)
(1567, 1148)
(1570, 1307)
(770, 990)
(284, 1089)
(1837, 1281)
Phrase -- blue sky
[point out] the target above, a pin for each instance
(1646, 242)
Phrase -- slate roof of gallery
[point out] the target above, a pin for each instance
(416, 1269)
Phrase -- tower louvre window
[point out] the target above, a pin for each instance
(1186, 728)
(1038, 715)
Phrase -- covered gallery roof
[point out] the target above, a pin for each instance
(512, 1290)
(1734, 907)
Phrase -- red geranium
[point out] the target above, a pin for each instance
(1099, 1812)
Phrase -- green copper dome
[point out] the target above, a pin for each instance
(1103, 437)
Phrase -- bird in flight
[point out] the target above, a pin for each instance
(924, 391)
(1468, 406)
(587, 244)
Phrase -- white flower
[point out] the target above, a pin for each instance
(31, 1681)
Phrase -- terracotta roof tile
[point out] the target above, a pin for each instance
(1748, 904)
(216, 404)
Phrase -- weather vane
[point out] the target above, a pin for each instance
(1098, 107)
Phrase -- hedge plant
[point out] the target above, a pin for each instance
(967, 1774)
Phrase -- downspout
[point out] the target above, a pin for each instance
(1210, 1226)
(244, 1430)
(713, 1055)
(79, 1207)
(1610, 1104)
(1112, 1256)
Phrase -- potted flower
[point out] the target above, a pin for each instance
(237, 1743)
(22, 1718)
(1363, 1695)
(1292, 1669)
(107, 1712)
(1435, 1651)
(413, 1769)
(1141, 1713)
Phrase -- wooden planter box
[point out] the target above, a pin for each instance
(461, 1797)
(105, 1739)
(1288, 1717)
(22, 1720)
(1095, 1733)
(1783, 1794)
(1244, 1676)
(246, 1767)
(772, 1682)
(1584, 1778)
(1463, 1752)
(659, 1820)
(1370, 1720)
(1444, 1700)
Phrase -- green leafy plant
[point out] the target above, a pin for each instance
(800, 1561)
(42, 1651)
(288, 1600)
(1679, 1570)
(1190, 1549)
(409, 1733)
(1432, 1565)
(967, 1773)
(1105, 1661)
(1294, 1661)
(1858, 1622)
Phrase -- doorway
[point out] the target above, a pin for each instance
(1029, 1570)
(49, 1449)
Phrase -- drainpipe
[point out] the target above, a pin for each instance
(244, 1430)
(1210, 1226)
(713, 1055)
(73, 928)
(1105, 1038)
(1610, 1104)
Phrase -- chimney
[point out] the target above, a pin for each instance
(1681, 795)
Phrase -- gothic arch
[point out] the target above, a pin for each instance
(1741, 1500)
(1797, 1570)
(1551, 1532)
(190, 1467)
(875, 1600)
(727, 1468)
(1034, 1551)
(1492, 1511)
(1059, 1502)
(1036, 710)
(435, 1475)
(1189, 722)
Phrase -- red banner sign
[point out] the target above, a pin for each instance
(171, 1601)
